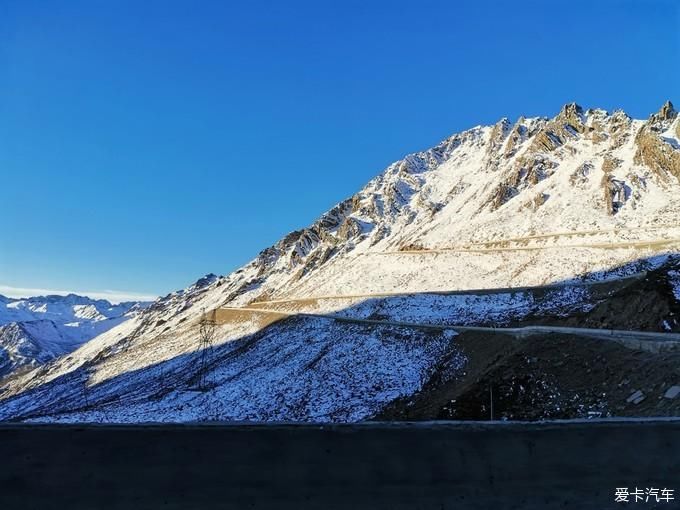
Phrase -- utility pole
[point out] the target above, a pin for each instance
(207, 332)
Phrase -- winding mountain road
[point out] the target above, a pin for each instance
(463, 292)
(658, 243)
(643, 340)
(492, 243)
(572, 233)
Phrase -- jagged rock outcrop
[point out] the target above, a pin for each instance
(609, 164)
(568, 124)
(655, 152)
(547, 140)
(518, 134)
(666, 113)
(497, 138)
(537, 201)
(615, 193)
(580, 176)
(501, 194)
(572, 118)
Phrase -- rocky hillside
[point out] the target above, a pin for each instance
(506, 225)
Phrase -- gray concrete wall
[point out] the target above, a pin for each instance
(376, 466)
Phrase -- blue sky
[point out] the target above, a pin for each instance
(144, 144)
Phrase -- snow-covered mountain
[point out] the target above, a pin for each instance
(37, 329)
(63, 309)
(580, 205)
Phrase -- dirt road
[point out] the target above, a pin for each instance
(643, 340)
(464, 292)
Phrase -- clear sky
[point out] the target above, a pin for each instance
(144, 144)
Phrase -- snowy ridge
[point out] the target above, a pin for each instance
(584, 196)
(63, 309)
(37, 329)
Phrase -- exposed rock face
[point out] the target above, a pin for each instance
(349, 229)
(667, 112)
(20, 349)
(538, 201)
(580, 176)
(501, 195)
(615, 191)
(497, 138)
(518, 134)
(653, 150)
(315, 260)
(610, 164)
(534, 169)
(572, 118)
(615, 194)
(568, 124)
(547, 140)
(619, 129)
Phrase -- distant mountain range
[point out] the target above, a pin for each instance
(564, 222)
(37, 329)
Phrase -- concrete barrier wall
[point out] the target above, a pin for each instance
(376, 466)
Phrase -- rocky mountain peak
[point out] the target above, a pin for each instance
(667, 111)
(663, 118)
(570, 109)
(205, 280)
(571, 115)
(657, 148)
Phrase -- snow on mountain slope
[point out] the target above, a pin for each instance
(63, 309)
(37, 329)
(323, 372)
(584, 196)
